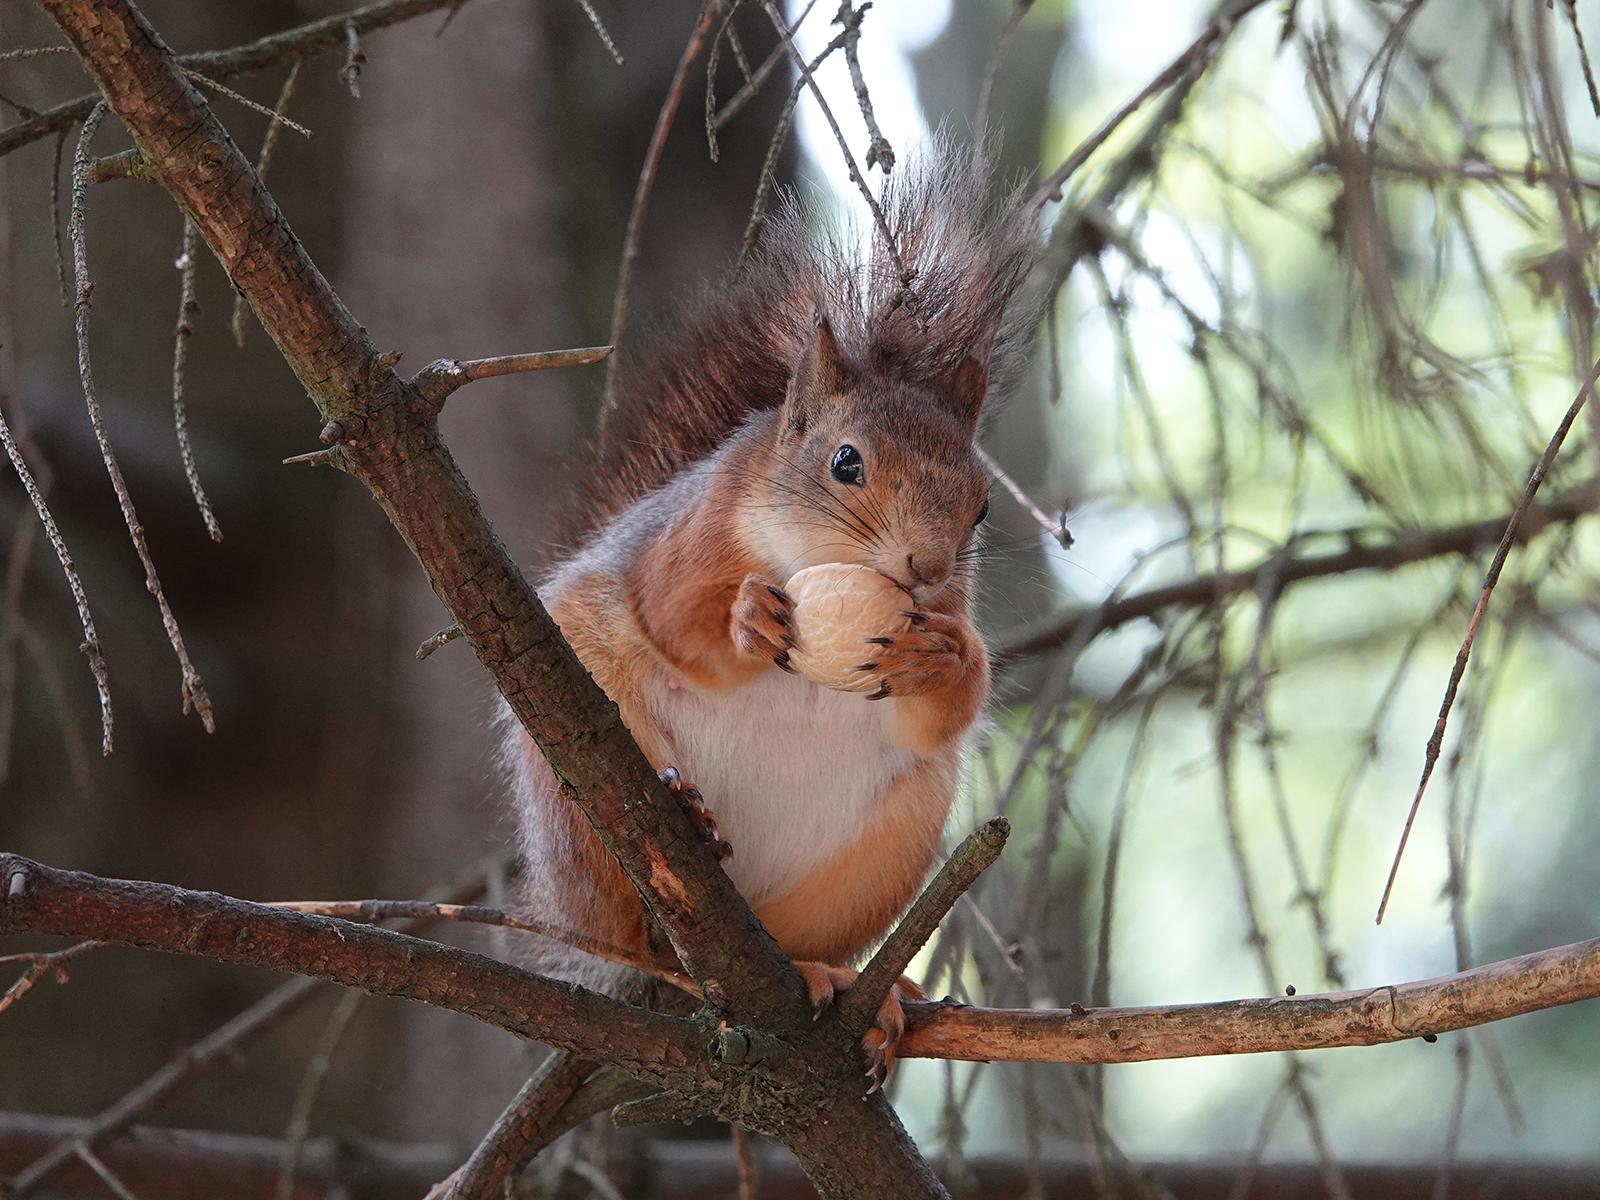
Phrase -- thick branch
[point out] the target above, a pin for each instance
(1544, 979)
(1285, 568)
(41, 899)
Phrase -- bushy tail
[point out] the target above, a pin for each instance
(732, 354)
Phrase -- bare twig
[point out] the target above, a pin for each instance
(39, 966)
(754, 84)
(1056, 528)
(216, 1047)
(780, 135)
(238, 98)
(443, 376)
(1401, 548)
(746, 1160)
(55, 215)
(303, 41)
(188, 309)
(1583, 55)
(1195, 59)
(444, 637)
(55, 690)
(501, 1156)
(294, 1136)
(600, 28)
(22, 539)
(1507, 540)
(960, 871)
(891, 247)
(349, 70)
(118, 1188)
(194, 692)
(879, 151)
(377, 910)
(980, 120)
(91, 640)
(33, 52)
(641, 197)
(1369, 1017)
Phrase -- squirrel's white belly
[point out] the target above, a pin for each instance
(792, 771)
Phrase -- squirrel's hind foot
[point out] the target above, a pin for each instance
(823, 983)
(704, 821)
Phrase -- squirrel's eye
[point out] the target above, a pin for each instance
(847, 466)
(983, 513)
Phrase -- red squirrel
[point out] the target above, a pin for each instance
(814, 409)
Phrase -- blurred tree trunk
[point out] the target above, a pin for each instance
(457, 246)
(453, 250)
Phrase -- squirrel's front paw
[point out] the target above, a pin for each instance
(762, 618)
(928, 657)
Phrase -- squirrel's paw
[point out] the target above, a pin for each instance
(762, 616)
(699, 815)
(928, 657)
(823, 983)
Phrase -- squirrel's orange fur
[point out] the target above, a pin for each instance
(813, 410)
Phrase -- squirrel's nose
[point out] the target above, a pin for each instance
(927, 570)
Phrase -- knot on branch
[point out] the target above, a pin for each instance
(739, 1047)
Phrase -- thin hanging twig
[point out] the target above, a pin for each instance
(879, 151)
(55, 217)
(600, 28)
(1507, 540)
(91, 639)
(39, 966)
(238, 98)
(641, 199)
(890, 246)
(294, 1137)
(980, 121)
(194, 692)
(769, 167)
(188, 309)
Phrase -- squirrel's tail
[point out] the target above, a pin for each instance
(946, 292)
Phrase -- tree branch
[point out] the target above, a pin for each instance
(974, 856)
(1394, 1013)
(40, 899)
(669, 1050)
(1285, 568)
(303, 41)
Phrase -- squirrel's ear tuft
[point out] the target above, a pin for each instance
(821, 372)
(969, 384)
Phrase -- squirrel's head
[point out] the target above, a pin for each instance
(872, 468)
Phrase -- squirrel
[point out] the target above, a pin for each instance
(821, 407)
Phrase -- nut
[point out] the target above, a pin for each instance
(837, 607)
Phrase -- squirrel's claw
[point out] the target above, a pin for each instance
(760, 621)
(705, 823)
(824, 982)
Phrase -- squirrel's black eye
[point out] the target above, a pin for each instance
(847, 466)
(983, 513)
